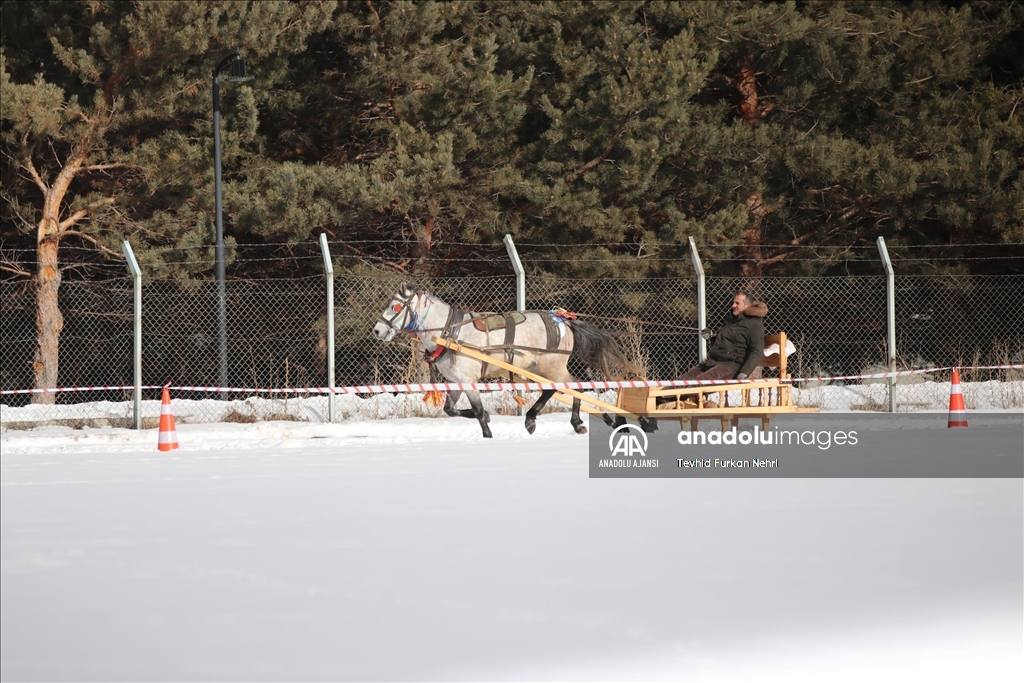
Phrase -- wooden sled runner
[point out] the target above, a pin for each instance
(761, 398)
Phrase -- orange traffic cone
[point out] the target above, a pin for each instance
(957, 410)
(168, 439)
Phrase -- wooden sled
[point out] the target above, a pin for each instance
(760, 398)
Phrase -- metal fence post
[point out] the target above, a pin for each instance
(136, 273)
(702, 309)
(890, 314)
(329, 272)
(517, 267)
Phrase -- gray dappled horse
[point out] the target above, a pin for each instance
(536, 341)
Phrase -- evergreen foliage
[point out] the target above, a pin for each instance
(102, 127)
(417, 134)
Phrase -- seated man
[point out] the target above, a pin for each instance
(739, 345)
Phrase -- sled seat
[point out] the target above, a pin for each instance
(759, 398)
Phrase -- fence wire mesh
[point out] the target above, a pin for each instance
(96, 346)
(837, 324)
(963, 320)
(277, 338)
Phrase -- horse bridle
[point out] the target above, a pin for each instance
(402, 307)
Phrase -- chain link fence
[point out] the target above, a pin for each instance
(95, 349)
(837, 324)
(277, 338)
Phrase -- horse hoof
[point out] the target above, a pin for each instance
(580, 429)
(619, 421)
(649, 425)
(487, 433)
(531, 426)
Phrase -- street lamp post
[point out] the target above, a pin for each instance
(237, 76)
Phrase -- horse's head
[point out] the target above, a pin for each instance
(399, 315)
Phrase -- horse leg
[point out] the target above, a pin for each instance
(531, 414)
(479, 412)
(477, 409)
(449, 406)
(545, 396)
(575, 421)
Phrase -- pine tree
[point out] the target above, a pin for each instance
(756, 128)
(417, 134)
(400, 135)
(834, 123)
(106, 117)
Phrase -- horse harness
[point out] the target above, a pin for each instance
(489, 322)
(453, 313)
(485, 322)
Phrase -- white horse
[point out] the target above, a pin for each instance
(537, 341)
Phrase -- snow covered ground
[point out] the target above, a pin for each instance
(412, 548)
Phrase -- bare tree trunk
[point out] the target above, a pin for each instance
(49, 320)
(746, 86)
(752, 107)
(750, 247)
(421, 267)
(752, 110)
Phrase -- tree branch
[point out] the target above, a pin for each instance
(71, 220)
(15, 210)
(35, 175)
(604, 154)
(190, 89)
(376, 28)
(16, 271)
(103, 167)
(82, 213)
(400, 268)
(109, 252)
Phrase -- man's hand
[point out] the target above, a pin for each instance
(741, 375)
(707, 333)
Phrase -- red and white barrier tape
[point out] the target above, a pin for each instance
(903, 373)
(402, 388)
(498, 386)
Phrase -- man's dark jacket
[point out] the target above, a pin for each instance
(740, 342)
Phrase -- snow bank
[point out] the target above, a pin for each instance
(922, 396)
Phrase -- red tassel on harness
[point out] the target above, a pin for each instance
(434, 398)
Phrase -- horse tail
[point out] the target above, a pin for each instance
(599, 349)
